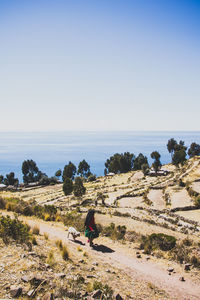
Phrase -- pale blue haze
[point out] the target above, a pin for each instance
(53, 150)
(99, 65)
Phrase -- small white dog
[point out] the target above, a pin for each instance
(73, 232)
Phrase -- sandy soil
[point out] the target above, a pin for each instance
(179, 198)
(196, 186)
(156, 196)
(192, 214)
(131, 202)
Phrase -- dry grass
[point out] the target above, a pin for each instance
(51, 259)
(46, 236)
(36, 230)
(59, 244)
(65, 253)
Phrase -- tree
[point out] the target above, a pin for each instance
(67, 186)
(84, 169)
(179, 157)
(120, 163)
(194, 150)
(1, 178)
(58, 173)
(180, 146)
(79, 189)
(11, 180)
(30, 171)
(92, 177)
(171, 146)
(69, 171)
(139, 161)
(145, 169)
(156, 164)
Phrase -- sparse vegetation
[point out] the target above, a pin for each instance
(59, 244)
(128, 191)
(158, 241)
(78, 188)
(36, 230)
(65, 253)
(13, 229)
(46, 236)
(50, 259)
(67, 186)
(33, 240)
(114, 232)
(74, 219)
(107, 291)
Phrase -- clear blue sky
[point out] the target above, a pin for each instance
(99, 65)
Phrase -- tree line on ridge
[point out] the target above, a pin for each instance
(117, 163)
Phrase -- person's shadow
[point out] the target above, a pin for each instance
(99, 248)
(102, 248)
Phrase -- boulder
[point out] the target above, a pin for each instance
(182, 278)
(25, 278)
(36, 280)
(30, 293)
(96, 294)
(170, 269)
(118, 297)
(15, 291)
(187, 267)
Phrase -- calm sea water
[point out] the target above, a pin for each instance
(52, 150)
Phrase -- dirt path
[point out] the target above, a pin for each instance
(115, 255)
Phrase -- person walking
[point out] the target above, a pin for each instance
(91, 231)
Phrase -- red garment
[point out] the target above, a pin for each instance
(91, 223)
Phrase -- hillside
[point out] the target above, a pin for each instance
(135, 261)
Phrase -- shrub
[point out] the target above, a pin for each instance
(47, 212)
(2, 203)
(187, 242)
(180, 253)
(197, 201)
(195, 261)
(47, 217)
(181, 183)
(116, 233)
(27, 211)
(67, 186)
(50, 259)
(58, 218)
(33, 240)
(13, 229)
(65, 253)
(11, 206)
(92, 177)
(36, 230)
(79, 189)
(59, 244)
(74, 219)
(119, 214)
(158, 241)
(107, 291)
(46, 236)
